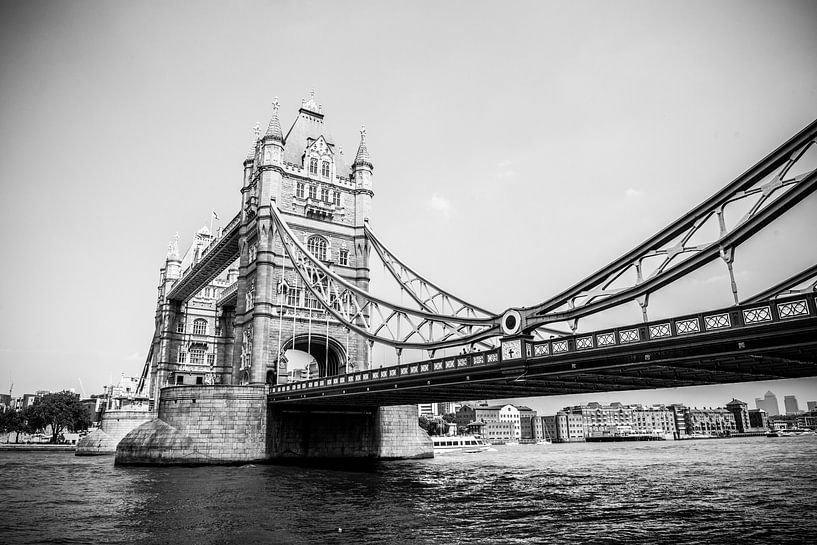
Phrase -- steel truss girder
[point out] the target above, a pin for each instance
(595, 293)
(428, 295)
(373, 318)
(786, 286)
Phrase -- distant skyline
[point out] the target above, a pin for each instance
(517, 148)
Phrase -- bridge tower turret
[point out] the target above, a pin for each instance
(325, 202)
(166, 315)
(362, 175)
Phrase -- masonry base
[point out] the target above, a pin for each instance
(222, 424)
(114, 426)
(381, 433)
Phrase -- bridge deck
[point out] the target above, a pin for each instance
(763, 341)
(217, 257)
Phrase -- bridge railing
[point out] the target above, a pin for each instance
(731, 318)
(461, 361)
(687, 326)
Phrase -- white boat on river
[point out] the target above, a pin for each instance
(452, 444)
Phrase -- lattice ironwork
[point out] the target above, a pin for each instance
(425, 293)
(541, 349)
(428, 296)
(659, 331)
(690, 325)
(559, 347)
(629, 336)
(757, 315)
(605, 339)
(717, 321)
(374, 318)
(676, 251)
(793, 309)
(583, 343)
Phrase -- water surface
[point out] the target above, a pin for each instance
(749, 490)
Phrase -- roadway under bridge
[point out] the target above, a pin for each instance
(748, 343)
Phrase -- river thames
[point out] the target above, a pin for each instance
(746, 490)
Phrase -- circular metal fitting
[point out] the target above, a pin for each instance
(511, 322)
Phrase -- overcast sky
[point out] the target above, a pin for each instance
(517, 148)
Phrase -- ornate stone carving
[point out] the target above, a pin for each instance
(246, 348)
(249, 297)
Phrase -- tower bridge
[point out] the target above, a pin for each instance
(290, 274)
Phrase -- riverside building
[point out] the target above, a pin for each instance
(500, 423)
(708, 422)
(594, 420)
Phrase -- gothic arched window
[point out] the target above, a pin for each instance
(198, 353)
(317, 247)
(200, 326)
(325, 169)
(313, 166)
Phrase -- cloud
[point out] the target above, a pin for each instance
(440, 204)
(133, 357)
(632, 193)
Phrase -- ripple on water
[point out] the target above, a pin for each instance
(751, 490)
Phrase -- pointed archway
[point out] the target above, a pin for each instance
(329, 354)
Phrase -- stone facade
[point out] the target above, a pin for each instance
(213, 354)
(377, 433)
(114, 426)
(227, 424)
(201, 425)
(305, 177)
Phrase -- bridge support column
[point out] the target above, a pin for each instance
(384, 433)
(263, 307)
(225, 424)
(217, 424)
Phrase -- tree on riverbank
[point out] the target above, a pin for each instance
(16, 422)
(62, 411)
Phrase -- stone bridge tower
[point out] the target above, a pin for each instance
(326, 202)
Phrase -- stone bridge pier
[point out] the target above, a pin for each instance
(230, 424)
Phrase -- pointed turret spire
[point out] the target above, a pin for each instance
(362, 157)
(274, 131)
(173, 248)
(256, 133)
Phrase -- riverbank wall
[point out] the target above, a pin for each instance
(38, 447)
